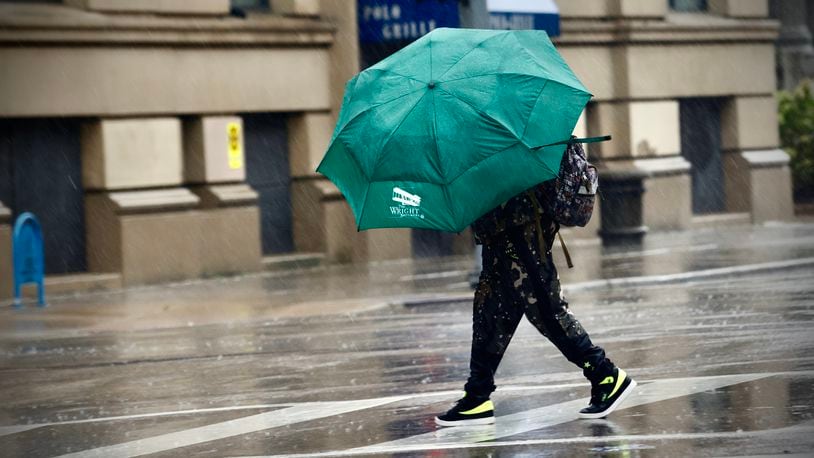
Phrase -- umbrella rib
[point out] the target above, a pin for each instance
(429, 41)
(355, 159)
(367, 109)
(391, 179)
(362, 170)
(539, 64)
(486, 115)
(452, 181)
(387, 70)
(536, 100)
(364, 206)
(466, 54)
(393, 133)
(438, 157)
(519, 141)
(495, 73)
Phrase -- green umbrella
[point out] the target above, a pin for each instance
(451, 126)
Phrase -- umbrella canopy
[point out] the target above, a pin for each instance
(451, 126)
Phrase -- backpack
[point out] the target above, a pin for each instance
(569, 198)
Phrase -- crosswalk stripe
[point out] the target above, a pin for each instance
(530, 420)
(236, 427)
(14, 429)
(446, 438)
(623, 438)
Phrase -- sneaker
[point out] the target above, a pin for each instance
(469, 410)
(608, 394)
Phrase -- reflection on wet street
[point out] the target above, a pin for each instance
(724, 365)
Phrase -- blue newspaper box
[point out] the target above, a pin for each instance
(29, 257)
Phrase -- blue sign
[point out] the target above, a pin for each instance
(524, 14)
(404, 20)
(29, 257)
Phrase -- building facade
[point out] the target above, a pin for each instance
(687, 90)
(162, 140)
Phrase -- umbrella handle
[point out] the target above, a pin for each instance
(571, 140)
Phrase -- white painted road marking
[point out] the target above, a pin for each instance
(692, 275)
(239, 426)
(623, 438)
(807, 429)
(434, 275)
(647, 280)
(14, 429)
(660, 251)
(530, 420)
(6, 430)
(446, 438)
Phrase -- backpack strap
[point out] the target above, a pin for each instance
(565, 251)
(537, 210)
(540, 240)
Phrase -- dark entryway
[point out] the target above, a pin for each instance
(268, 172)
(428, 243)
(41, 173)
(701, 146)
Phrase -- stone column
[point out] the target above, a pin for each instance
(214, 169)
(646, 144)
(139, 220)
(795, 53)
(199, 7)
(757, 176)
(323, 221)
(810, 19)
(6, 280)
(739, 8)
(613, 8)
(638, 8)
(296, 7)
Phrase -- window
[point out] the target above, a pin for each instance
(688, 6)
(250, 4)
(700, 119)
(41, 173)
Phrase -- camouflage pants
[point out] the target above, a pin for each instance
(515, 281)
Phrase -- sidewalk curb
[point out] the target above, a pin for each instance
(611, 283)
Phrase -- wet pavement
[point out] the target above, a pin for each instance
(715, 325)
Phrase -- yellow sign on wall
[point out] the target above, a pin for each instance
(235, 151)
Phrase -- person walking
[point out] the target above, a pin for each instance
(519, 278)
